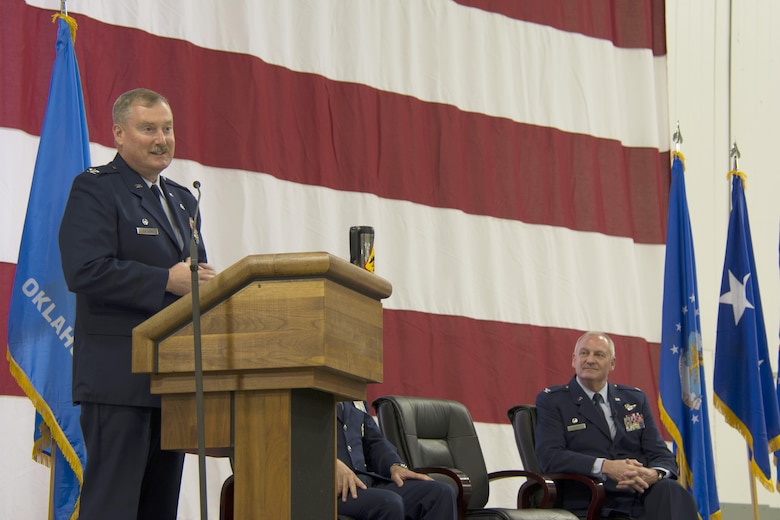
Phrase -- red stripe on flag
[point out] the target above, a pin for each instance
(8, 385)
(635, 24)
(491, 366)
(308, 129)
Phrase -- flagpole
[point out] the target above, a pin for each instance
(753, 492)
(734, 155)
(53, 458)
(51, 479)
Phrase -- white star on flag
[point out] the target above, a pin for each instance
(736, 296)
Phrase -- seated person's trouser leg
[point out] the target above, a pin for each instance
(667, 499)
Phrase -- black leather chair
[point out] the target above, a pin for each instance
(523, 418)
(437, 437)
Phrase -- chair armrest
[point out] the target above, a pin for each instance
(548, 487)
(461, 481)
(596, 487)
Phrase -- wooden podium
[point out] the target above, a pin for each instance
(283, 337)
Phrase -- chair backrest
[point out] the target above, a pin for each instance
(435, 432)
(523, 419)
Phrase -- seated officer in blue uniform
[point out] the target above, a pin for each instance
(372, 481)
(615, 440)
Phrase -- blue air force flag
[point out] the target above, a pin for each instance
(683, 392)
(42, 310)
(743, 381)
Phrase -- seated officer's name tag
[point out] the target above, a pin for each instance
(575, 427)
(147, 231)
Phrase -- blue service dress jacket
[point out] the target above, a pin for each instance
(571, 434)
(360, 443)
(117, 245)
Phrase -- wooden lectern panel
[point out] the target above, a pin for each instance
(283, 337)
(284, 324)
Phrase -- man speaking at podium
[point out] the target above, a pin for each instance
(124, 241)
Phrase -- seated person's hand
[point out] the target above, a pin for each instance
(623, 471)
(398, 474)
(630, 474)
(346, 481)
(644, 478)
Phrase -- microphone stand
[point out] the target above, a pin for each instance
(194, 242)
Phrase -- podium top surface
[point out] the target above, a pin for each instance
(302, 265)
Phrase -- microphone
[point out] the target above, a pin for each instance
(194, 236)
(199, 406)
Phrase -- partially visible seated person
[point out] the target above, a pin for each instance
(605, 430)
(372, 481)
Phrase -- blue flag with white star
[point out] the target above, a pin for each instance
(683, 392)
(42, 311)
(743, 382)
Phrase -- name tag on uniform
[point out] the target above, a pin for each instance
(147, 231)
(575, 427)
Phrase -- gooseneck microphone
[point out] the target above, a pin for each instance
(194, 237)
(194, 243)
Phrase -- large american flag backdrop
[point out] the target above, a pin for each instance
(513, 158)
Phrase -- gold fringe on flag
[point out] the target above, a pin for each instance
(71, 23)
(680, 155)
(734, 421)
(50, 429)
(741, 175)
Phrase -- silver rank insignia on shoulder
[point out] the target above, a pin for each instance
(93, 171)
(547, 390)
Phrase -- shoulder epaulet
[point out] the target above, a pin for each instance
(557, 388)
(172, 183)
(628, 388)
(100, 170)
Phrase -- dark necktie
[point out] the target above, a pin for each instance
(597, 400)
(166, 209)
